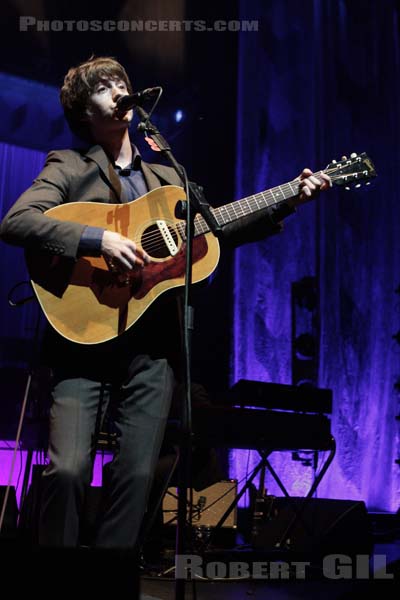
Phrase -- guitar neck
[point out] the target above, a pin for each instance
(240, 208)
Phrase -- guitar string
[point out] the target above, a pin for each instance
(154, 241)
(231, 209)
(234, 206)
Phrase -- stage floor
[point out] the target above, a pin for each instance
(315, 586)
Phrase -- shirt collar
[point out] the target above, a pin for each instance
(135, 164)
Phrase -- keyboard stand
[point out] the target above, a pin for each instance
(261, 467)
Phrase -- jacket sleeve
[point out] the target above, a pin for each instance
(26, 225)
(251, 228)
(256, 226)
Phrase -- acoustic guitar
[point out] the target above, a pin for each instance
(89, 304)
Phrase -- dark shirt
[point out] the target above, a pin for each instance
(132, 180)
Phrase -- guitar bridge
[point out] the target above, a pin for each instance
(167, 237)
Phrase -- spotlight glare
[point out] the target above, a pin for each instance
(178, 116)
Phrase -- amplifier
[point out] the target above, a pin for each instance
(208, 505)
(320, 525)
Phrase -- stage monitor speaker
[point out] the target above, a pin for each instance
(324, 526)
(208, 505)
(10, 520)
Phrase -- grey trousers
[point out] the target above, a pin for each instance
(141, 407)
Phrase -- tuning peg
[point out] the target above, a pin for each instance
(353, 155)
(347, 188)
(358, 185)
(344, 157)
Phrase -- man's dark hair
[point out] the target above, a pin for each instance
(80, 82)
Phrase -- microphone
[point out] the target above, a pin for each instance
(127, 102)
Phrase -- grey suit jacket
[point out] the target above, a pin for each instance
(69, 176)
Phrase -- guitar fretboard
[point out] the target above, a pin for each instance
(240, 208)
(345, 172)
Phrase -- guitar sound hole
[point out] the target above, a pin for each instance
(153, 242)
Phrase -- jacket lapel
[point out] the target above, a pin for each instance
(97, 154)
(156, 175)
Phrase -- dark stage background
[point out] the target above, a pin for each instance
(319, 79)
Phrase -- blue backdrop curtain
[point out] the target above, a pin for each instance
(18, 167)
(321, 79)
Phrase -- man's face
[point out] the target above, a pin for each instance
(102, 106)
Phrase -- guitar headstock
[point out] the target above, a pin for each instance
(355, 169)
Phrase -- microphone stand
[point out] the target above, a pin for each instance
(196, 203)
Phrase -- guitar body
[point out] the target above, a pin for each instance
(87, 303)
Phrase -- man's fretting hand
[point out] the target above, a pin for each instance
(310, 185)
